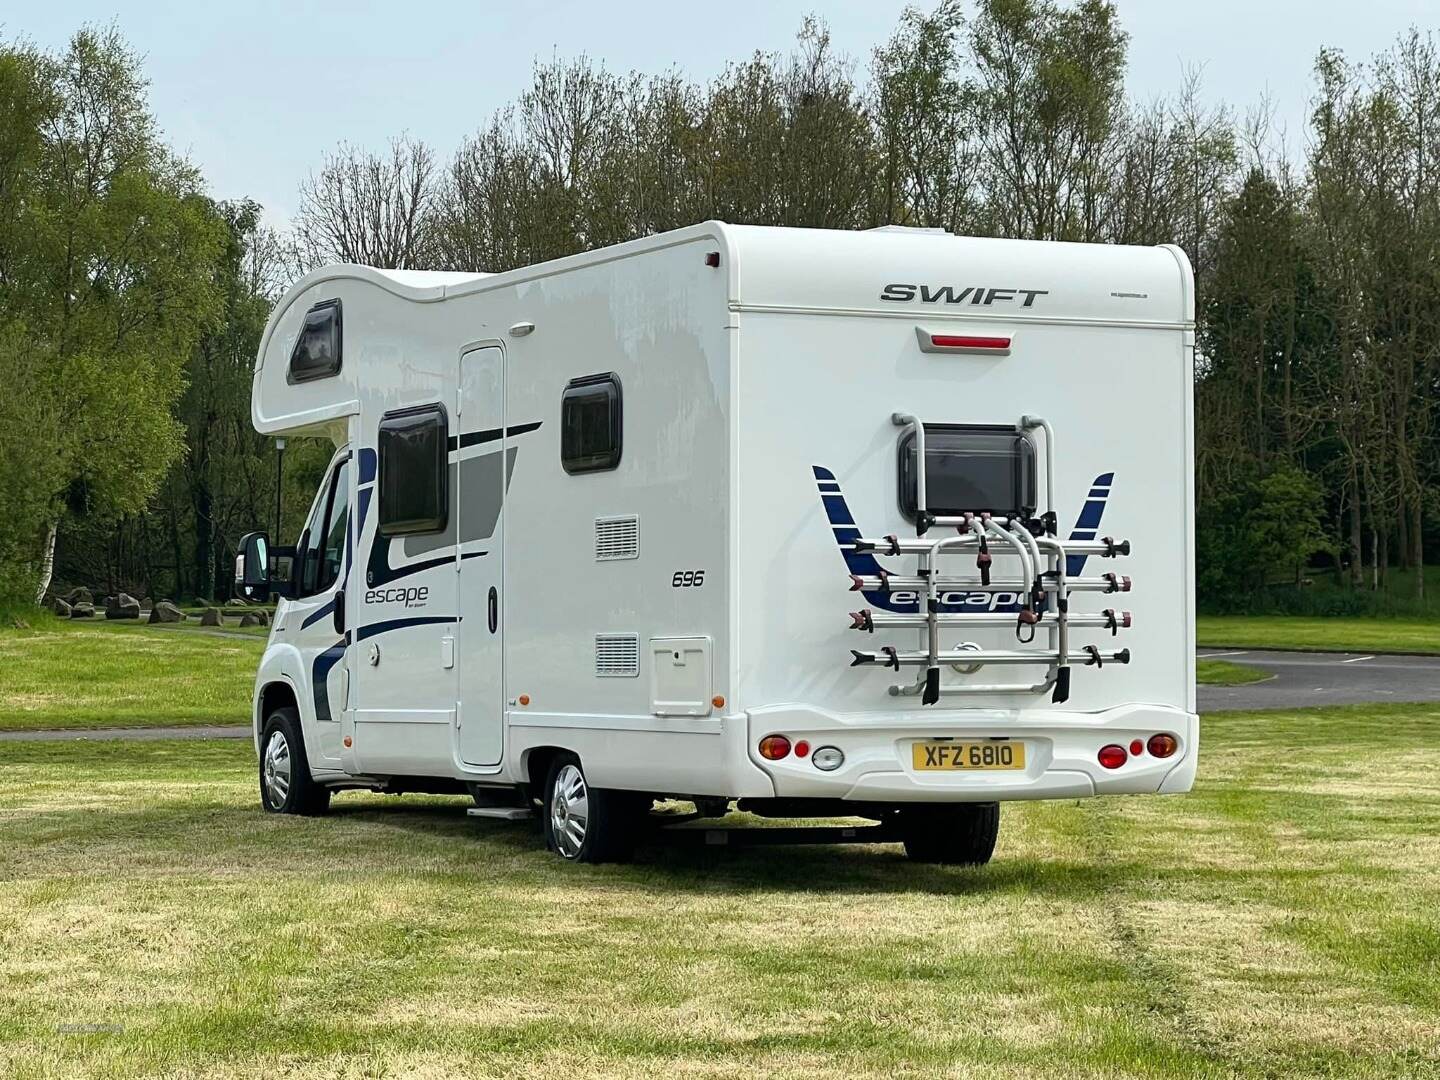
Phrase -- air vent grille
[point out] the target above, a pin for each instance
(617, 655)
(617, 538)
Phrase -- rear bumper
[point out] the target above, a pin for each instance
(1060, 754)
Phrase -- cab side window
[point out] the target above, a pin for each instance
(323, 554)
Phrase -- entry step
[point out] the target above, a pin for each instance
(503, 813)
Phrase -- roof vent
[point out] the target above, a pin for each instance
(617, 538)
(617, 656)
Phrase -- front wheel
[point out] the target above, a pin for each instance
(585, 824)
(286, 786)
(958, 834)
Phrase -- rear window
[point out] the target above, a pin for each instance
(971, 469)
(317, 350)
(414, 471)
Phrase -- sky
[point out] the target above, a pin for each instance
(256, 94)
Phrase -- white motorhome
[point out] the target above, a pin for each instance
(893, 525)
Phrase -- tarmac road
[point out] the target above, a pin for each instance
(1308, 678)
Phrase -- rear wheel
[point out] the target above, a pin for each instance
(959, 834)
(286, 786)
(585, 824)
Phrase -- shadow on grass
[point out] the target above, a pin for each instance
(663, 859)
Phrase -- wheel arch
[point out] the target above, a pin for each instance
(535, 766)
(275, 694)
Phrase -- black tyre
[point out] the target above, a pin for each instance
(286, 786)
(585, 824)
(960, 834)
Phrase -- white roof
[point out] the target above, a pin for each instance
(429, 279)
(893, 271)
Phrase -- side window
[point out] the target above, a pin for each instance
(317, 350)
(332, 553)
(413, 481)
(324, 536)
(591, 422)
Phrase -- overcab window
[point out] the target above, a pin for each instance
(590, 424)
(413, 477)
(317, 350)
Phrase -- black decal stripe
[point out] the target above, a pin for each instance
(385, 627)
(319, 613)
(474, 438)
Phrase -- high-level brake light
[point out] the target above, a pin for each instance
(968, 341)
(982, 344)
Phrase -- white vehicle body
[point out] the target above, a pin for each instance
(660, 618)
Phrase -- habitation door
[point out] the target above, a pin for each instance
(482, 470)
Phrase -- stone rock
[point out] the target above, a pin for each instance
(236, 601)
(122, 606)
(251, 618)
(62, 608)
(79, 595)
(263, 616)
(166, 612)
(211, 617)
(82, 611)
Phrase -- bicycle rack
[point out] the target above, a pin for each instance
(1044, 594)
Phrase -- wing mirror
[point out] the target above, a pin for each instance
(252, 566)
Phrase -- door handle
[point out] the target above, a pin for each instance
(339, 611)
(494, 609)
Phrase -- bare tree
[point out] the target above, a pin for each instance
(368, 208)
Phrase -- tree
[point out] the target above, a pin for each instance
(106, 287)
(925, 111)
(367, 208)
(1050, 93)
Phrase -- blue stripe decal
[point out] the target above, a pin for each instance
(320, 672)
(1088, 524)
(367, 465)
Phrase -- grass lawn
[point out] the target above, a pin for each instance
(1224, 673)
(67, 674)
(1282, 920)
(1337, 634)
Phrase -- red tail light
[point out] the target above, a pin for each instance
(1163, 745)
(802, 748)
(1136, 747)
(774, 747)
(1112, 756)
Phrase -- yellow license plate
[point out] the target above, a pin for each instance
(938, 756)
